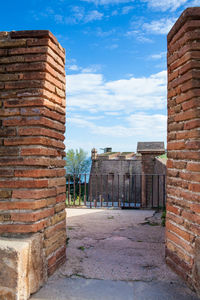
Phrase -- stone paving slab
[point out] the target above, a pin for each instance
(92, 289)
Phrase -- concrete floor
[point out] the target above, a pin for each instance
(114, 254)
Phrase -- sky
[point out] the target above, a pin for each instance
(116, 73)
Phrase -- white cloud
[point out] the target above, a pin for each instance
(78, 14)
(112, 113)
(140, 126)
(147, 126)
(91, 92)
(139, 36)
(91, 69)
(161, 26)
(164, 5)
(93, 15)
(127, 9)
(159, 55)
(73, 67)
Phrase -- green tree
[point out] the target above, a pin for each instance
(77, 162)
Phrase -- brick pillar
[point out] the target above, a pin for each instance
(32, 126)
(183, 174)
(147, 168)
(148, 181)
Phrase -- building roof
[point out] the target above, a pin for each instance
(158, 147)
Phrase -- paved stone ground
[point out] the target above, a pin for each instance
(114, 254)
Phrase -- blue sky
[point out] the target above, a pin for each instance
(115, 64)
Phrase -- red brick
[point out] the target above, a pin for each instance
(42, 151)
(12, 43)
(44, 112)
(9, 112)
(191, 124)
(23, 205)
(173, 209)
(24, 102)
(187, 115)
(36, 66)
(184, 155)
(188, 134)
(4, 132)
(46, 42)
(193, 103)
(193, 144)
(22, 228)
(28, 50)
(195, 167)
(192, 217)
(30, 34)
(51, 230)
(174, 218)
(60, 206)
(5, 194)
(40, 131)
(176, 145)
(35, 194)
(57, 181)
(6, 173)
(188, 95)
(34, 141)
(61, 198)
(24, 184)
(11, 151)
(55, 65)
(188, 195)
(29, 121)
(180, 232)
(190, 176)
(175, 239)
(61, 189)
(35, 173)
(32, 216)
(175, 127)
(195, 187)
(195, 208)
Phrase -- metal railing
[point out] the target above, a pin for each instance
(116, 190)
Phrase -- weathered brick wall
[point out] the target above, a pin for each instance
(183, 182)
(32, 126)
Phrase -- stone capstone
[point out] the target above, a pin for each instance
(22, 267)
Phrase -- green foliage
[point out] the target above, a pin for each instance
(163, 217)
(77, 162)
(82, 248)
(163, 156)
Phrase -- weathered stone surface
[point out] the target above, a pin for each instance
(37, 264)
(7, 294)
(22, 267)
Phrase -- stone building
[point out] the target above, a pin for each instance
(128, 178)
